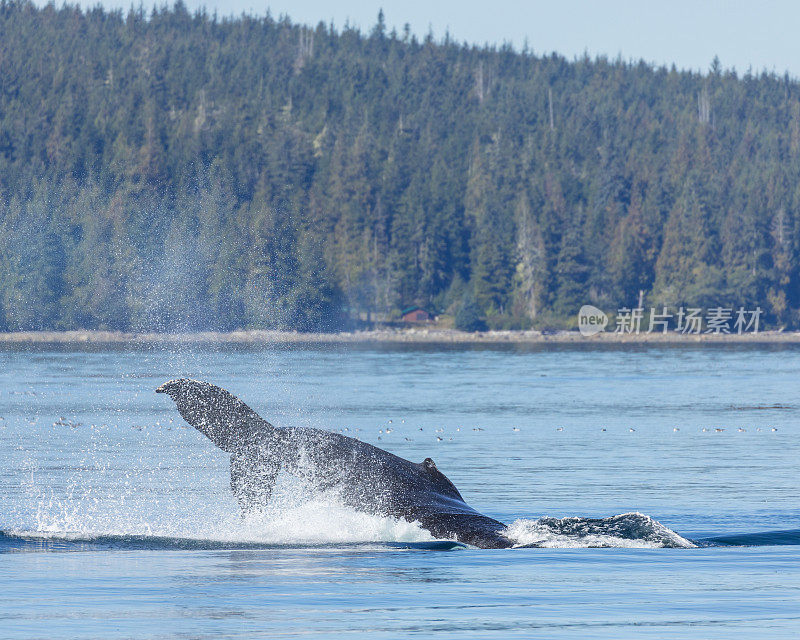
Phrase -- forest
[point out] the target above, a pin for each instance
(172, 171)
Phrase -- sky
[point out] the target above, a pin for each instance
(756, 35)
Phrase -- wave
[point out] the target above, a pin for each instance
(760, 539)
(78, 525)
(322, 521)
(21, 541)
(759, 407)
(630, 530)
(627, 530)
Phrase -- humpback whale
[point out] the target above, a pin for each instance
(366, 477)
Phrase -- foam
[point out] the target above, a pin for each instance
(322, 520)
(141, 503)
(627, 530)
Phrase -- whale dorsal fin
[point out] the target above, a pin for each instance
(441, 480)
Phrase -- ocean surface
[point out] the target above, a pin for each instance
(117, 519)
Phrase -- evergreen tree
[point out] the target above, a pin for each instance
(468, 317)
(168, 170)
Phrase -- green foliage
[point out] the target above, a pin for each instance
(468, 317)
(174, 171)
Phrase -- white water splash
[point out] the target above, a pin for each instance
(627, 530)
(172, 493)
(320, 520)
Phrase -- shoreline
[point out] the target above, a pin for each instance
(389, 336)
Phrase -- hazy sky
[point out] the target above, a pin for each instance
(761, 35)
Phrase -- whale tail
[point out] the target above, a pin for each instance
(234, 427)
(257, 450)
(219, 415)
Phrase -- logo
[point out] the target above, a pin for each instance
(591, 320)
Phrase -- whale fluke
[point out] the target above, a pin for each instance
(219, 415)
(367, 477)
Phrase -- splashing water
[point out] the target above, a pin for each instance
(293, 518)
(629, 530)
(296, 517)
(184, 495)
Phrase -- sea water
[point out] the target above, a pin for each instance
(653, 491)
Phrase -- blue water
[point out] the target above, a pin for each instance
(117, 519)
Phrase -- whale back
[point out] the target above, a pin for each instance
(367, 477)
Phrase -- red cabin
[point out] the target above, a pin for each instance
(415, 314)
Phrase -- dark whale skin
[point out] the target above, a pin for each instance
(366, 477)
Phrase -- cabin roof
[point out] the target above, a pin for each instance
(410, 309)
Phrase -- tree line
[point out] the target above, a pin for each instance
(168, 170)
